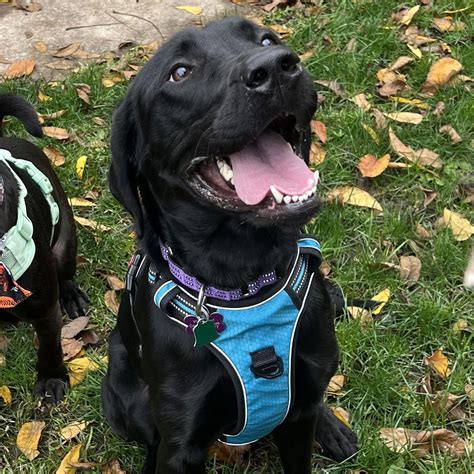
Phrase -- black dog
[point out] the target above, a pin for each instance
(209, 150)
(48, 250)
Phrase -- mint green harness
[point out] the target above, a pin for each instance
(17, 247)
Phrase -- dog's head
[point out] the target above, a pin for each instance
(219, 117)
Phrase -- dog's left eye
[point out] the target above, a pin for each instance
(267, 41)
(180, 73)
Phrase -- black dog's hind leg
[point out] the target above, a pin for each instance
(52, 373)
(338, 442)
(295, 444)
(74, 302)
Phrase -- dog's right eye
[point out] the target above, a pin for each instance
(180, 73)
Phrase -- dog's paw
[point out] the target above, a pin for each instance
(73, 300)
(338, 442)
(51, 390)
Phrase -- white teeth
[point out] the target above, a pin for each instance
(276, 194)
(232, 180)
(225, 170)
(316, 177)
(294, 198)
(287, 199)
(300, 198)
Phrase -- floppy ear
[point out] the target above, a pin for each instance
(123, 172)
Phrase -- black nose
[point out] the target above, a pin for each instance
(273, 63)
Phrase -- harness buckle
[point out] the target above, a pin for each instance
(266, 364)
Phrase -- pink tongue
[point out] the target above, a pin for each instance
(269, 160)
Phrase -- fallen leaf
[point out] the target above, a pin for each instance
(282, 30)
(400, 62)
(56, 132)
(342, 415)
(62, 65)
(360, 314)
(334, 86)
(410, 268)
(392, 88)
(317, 154)
(40, 46)
(319, 129)
(6, 394)
(370, 167)
(71, 457)
(440, 73)
(28, 5)
(449, 130)
(398, 166)
(83, 91)
(72, 430)
(439, 363)
(274, 4)
(416, 102)
(325, 268)
(444, 402)
(71, 348)
(191, 9)
(91, 224)
(78, 369)
(447, 24)
(66, 51)
(73, 328)
(81, 54)
(408, 16)
(233, 455)
(461, 227)
(115, 283)
(422, 232)
(81, 202)
(372, 133)
(53, 115)
(89, 337)
(415, 50)
(21, 68)
(381, 297)
(305, 56)
(112, 467)
(380, 120)
(336, 384)
(355, 196)
(3, 360)
(361, 101)
(421, 443)
(111, 80)
(351, 45)
(43, 97)
(54, 155)
(28, 438)
(405, 117)
(110, 299)
(80, 166)
(469, 389)
(461, 325)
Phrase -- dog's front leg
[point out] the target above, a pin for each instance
(52, 373)
(295, 443)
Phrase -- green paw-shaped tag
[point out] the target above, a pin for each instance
(204, 333)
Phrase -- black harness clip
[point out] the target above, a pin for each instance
(266, 364)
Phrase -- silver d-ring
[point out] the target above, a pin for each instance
(200, 301)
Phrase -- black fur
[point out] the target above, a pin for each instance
(177, 399)
(50, 276)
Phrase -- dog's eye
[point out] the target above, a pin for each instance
(180, 73)
(267, 41)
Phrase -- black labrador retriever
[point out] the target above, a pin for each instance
(209, 154)
(37, 247)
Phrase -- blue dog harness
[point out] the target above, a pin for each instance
(257, 337)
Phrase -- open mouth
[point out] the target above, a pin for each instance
(268, 174)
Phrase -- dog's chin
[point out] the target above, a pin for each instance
(264, 180)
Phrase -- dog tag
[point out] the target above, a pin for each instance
(204, 333)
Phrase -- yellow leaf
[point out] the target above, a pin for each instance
(461, 227)
(81, 202)
(78, 369)
(6, 394)
(317, 154)
(415, 50)
(21, 68)
(28, 438)
(282, 30)
(360, 314)
(440, 73)
(56, 132)
(447, 24)
(111, 80)
(461, 325)
(71, 457)
(72, 430)
(416, 102)
(342, 415)
(439, 363)
(361, 101)
(355, 196)
(335, 384)
(115, 283)
(191, 9)
(408, 16)
(405, 117)
(372, 133)
(383, 297)
(370, 167)
(80, 166)
(43, 97)
(54, 155)
(90, 224)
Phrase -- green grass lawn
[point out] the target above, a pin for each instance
(383, 361)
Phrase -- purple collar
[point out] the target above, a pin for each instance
(229, 295)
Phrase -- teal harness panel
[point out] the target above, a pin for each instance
(255, 333)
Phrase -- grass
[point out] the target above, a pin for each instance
(383, 361)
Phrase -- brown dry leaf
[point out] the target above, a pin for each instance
(55, 156)
(91, 224)
(112, 467)
(440, 73)
(305, 56)
(62, 65)
(361, 101)
(4, 342)
(422, 232)
(71, 457)
(469, 389)
(398, 166)
(336, 384)
(112, 79)
(78, 369)
(28, 438)
(334, 86)
(21, 68)
(89, 337)
(319, 129)
(282, 30)
(355, 196)
(52, 115)
(400, 62)
(446, 23)
(81, 54)
(410, 268)
(405, 117)
(392, 88)
(421, 443)
(40, 46)
(380, 120)
(342, 415)
(370, 167)
(81, 202)
(71, 348)
(360, 314)
(444, 402)
(83, 91)
(317, 154)
(115, 283)
(6, 395)
(439, 363)
(67, 51)
(325, 268)
(449, 130)
(99, 121)
(274, 4)
(407, 17)
(72, 430)
(28, 5)
(461, 227)
(110, 299)
(73, 328)
(56, 132)
(461, 325)
(228, 454)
